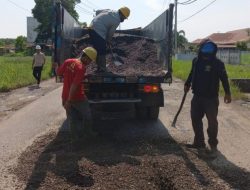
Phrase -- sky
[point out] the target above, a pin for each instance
(220, 16)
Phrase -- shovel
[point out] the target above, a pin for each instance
(115, 58)
(179, 110)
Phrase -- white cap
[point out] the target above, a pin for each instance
(38, 47)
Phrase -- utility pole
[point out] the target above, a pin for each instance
(175, 27)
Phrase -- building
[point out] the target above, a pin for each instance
(228, 40)
(32, 24)
(7, 49)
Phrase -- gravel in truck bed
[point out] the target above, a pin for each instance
(138, 54)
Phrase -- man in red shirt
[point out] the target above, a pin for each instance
(74, 99)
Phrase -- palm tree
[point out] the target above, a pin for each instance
(181, 39)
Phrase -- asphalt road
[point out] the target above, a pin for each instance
(19, 130)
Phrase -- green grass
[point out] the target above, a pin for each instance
(16, 72)
(245, 59)
(181, 70)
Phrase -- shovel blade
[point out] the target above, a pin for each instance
(117, 60)
(173, 125)
(117, 63)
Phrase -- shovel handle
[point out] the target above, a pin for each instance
(180, 108)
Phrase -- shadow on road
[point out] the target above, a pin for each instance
(57, 159)
(237, 177)
(133, 150)
(33, 87)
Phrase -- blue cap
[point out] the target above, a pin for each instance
(208, 48)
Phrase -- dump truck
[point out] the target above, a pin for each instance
(131, 92)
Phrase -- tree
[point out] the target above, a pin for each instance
(20, 43)
(7, 41)
(43, 13)
(2, 43)
(242, 46)
(181, 39)
(83, 24)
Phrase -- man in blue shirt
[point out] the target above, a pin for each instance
(102, 29)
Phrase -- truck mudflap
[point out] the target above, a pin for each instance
(155, 99)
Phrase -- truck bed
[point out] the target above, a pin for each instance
(139, 55)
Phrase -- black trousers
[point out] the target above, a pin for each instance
(98, 42)
(37, 73)
(200, 107)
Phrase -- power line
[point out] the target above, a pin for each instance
(19, 6)
(88, 6)
(198, 11)
(98, 7)
(164, 4)
(187, 2)
(84, 10)
(81, 11)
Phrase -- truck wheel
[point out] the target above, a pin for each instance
(141, 112)
(153, 113)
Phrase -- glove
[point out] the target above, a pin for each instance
(227, 98)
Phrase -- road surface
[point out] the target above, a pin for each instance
(130, 154)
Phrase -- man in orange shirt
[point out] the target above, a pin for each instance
(74, 99)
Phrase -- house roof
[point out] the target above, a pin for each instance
(8, 46)
(228, 38)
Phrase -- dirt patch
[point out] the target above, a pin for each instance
(138, 54)
(115, 162)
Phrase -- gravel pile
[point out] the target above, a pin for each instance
(118, 162)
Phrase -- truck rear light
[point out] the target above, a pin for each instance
(155, 89)
(151, 89)
(147, 88)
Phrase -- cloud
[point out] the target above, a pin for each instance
(155, 5)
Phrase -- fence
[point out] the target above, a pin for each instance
(227, 56)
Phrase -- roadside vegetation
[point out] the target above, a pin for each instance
(245, 59)
(16, 72)
(181, 70)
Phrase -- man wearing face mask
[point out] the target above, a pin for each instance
(102, 29)
(206, 73)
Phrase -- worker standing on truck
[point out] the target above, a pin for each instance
(206, 73)
(102, 29)
(37, 64)
(74, 99)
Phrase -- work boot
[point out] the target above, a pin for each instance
(195, 146)
(203, 153)
(101, 63)
(213, 153)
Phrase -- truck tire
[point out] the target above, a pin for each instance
(141, 112)
(153, 113)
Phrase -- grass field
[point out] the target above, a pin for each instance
(245, 59)
(17, 72)
(181, 70)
